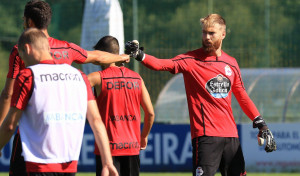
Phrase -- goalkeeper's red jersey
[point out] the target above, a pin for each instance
(119, 105)
(209, 83)
(62, 51)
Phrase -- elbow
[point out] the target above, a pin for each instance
(6, 95)
(151, 116)
(9, 129)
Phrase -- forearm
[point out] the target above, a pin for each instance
(5, 134)
(99, 131)
(246, 104)
(101, 57)
(154, 63)
(5, 100)
(148, 123)
(9, 126)
(102, 141)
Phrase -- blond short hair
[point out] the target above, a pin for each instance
(213, 19)
(34, 37)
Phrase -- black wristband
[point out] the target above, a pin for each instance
(259, 122)
(140, 55)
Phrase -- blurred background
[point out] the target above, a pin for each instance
(260, 33)
(263, 36)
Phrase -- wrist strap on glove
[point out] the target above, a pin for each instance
(132, 48)
(140, 55)
(259, 122)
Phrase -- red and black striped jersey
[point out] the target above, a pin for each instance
(119, 106)
(62, 51)
(209, 84)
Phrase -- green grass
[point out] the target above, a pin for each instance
(188, 174)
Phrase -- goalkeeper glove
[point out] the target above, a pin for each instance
(133, 50)
(264, 134)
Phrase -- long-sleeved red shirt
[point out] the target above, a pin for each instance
(209, 83)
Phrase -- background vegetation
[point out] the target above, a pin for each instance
(260, 33)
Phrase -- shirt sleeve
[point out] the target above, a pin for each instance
(16, 64)
(23, 88)
(90, 94)
(78, 54)
(242, 97)
(173, 65)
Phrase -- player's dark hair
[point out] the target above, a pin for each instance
(109, 44)
(39, 12)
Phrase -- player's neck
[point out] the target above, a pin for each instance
(45, 31)
(45, 56)
(216, 53)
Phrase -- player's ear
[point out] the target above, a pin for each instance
(223, 33)
(30, 23)
(27, 49)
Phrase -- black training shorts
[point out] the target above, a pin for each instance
(125, 165)
(17, 165)
(213, 153)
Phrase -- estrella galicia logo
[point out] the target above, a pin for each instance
(218, 86)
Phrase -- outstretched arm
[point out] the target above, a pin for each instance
(135, 51)
(5, 98)
(149, 116)
(101, 57)
(154, 63)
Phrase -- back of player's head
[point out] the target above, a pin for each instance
(39, 12)
(109, 44)
(211, 20)
(34, 37)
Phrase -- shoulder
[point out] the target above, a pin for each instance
(57, 43)
(132, 72)
(14, 50)
(227, 58)
(94, 75)
(25, 74)
(197, 53)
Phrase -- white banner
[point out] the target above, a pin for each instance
(101, 18)
(285, 159)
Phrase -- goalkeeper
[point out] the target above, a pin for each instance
(211, 76)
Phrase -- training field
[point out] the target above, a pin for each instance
(188, 174)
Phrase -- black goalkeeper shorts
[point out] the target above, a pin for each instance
(213, 153)
(125, 165)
